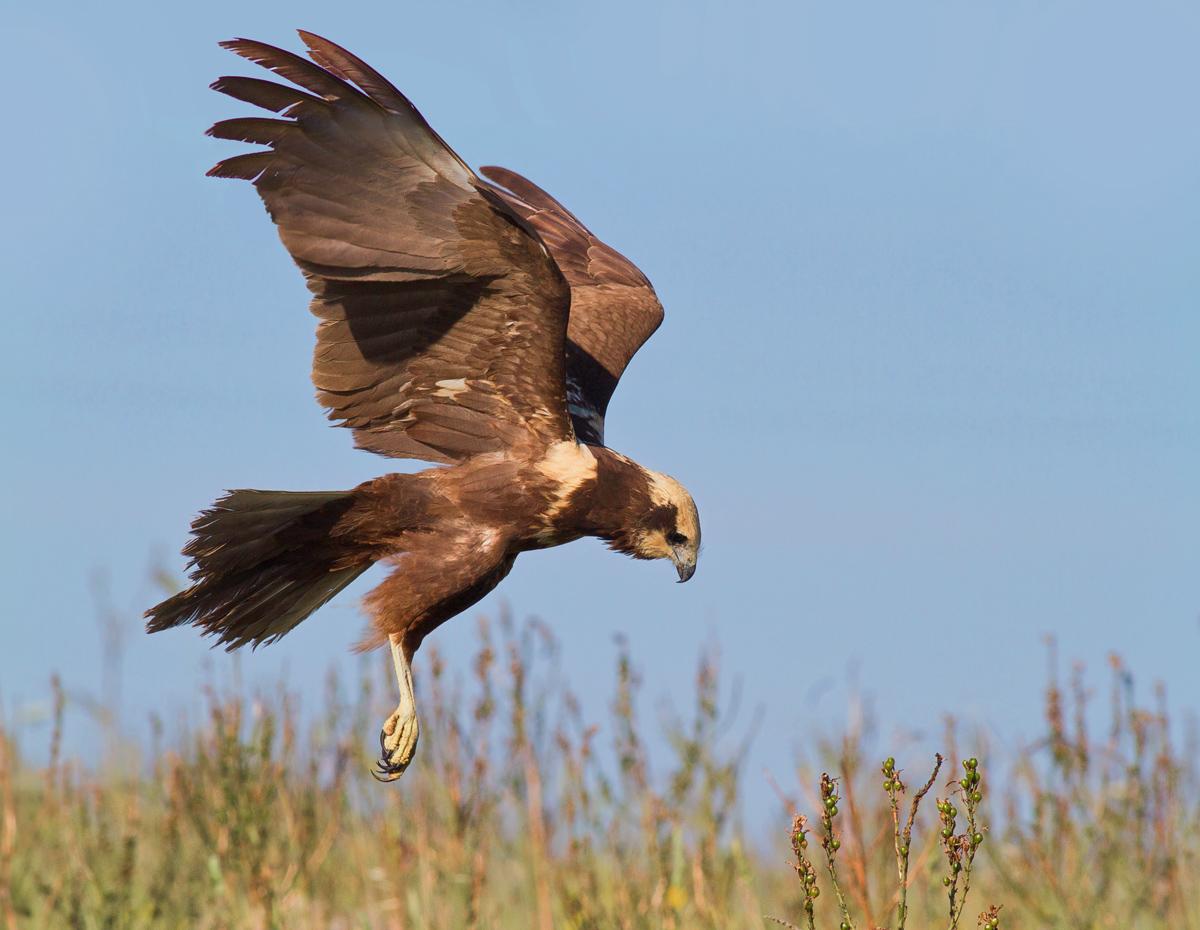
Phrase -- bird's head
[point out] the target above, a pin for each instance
(670, 527)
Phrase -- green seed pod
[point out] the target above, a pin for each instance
(836, 845)
(946, 881)
(904, 850)
(977, 839)
(946, 833)
(972, 763)
(815, 893)
(833, 811)
(976, 797)
(845, 926)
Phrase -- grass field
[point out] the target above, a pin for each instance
(518, 813)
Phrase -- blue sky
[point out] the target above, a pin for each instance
(930, 367)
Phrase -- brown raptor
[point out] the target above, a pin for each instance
(467, 321)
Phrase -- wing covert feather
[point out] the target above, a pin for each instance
(614, 309)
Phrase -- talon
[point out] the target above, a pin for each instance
(394, 762)
(395, 759)
(398, 738)
(384, 771)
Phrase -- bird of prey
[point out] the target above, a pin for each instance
(471, 322)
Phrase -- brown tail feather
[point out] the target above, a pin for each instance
(262, 561)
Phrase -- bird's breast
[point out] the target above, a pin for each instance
(563, 478)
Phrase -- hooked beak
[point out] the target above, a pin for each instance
(685, 563)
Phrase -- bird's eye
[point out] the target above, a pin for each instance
(676, 538)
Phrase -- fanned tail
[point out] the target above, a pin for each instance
(262, 561)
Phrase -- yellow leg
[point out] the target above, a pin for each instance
(400, 733)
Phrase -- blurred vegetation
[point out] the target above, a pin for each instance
(520, 813)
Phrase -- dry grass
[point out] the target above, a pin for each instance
(515, 816)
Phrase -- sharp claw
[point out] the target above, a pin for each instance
(385, 774)
(385, 770)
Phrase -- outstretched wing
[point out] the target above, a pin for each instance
(613, 307)
(443, 318)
